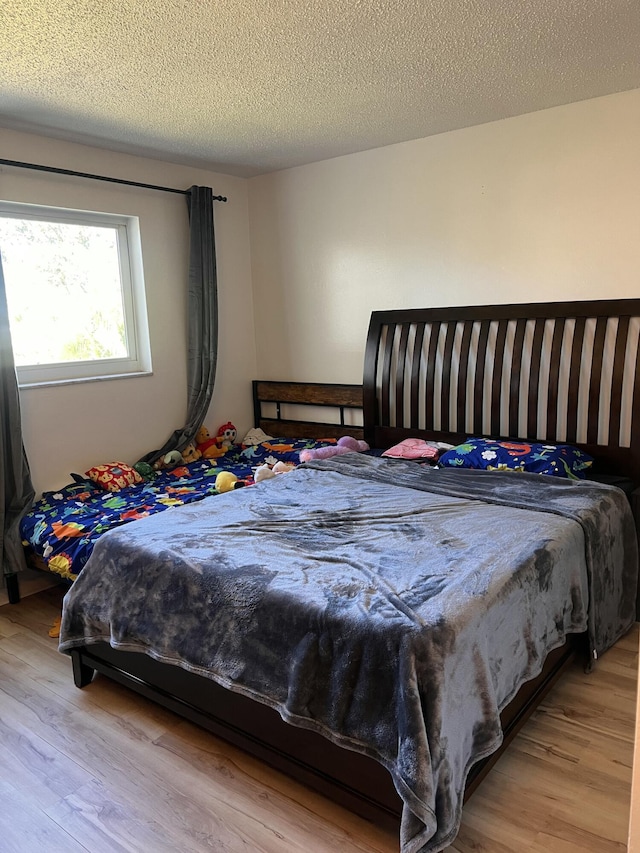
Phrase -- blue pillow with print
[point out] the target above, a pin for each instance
(557, 460)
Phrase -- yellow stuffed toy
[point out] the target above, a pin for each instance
(191, 453)
(207, 445)
(226, 482)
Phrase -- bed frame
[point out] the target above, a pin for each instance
(555, 372)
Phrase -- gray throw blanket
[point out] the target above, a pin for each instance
(393, 608)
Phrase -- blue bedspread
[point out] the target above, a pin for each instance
(392, 608)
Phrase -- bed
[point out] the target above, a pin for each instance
(62, 527)
(377, 666)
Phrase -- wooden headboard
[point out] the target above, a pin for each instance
(561, 372)
(335, 409)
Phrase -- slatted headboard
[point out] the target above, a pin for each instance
(562, 372)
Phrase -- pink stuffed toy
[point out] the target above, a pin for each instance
(346, 444)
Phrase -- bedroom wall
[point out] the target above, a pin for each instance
(71, 427)
(534, 208)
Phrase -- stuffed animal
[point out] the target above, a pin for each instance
(262, 472)
(346, 444)
(266, 471)
(254, 437)
(169, 460)
(207, 445)
(226, 436)
(204, 440)
(191, 453)
(227, 482)
(146, 471)
(283, 467)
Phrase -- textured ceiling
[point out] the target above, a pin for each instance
(250, 86)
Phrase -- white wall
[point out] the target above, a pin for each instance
(71, 427)
(540, 207)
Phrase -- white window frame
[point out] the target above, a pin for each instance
(138, 361)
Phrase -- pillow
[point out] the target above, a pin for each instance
(558, 460)
(413, 448)
(114, 476)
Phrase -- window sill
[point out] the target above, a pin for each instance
(49, 383)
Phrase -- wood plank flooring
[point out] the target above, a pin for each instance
(102, 769)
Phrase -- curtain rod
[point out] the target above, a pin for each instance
(57, 171)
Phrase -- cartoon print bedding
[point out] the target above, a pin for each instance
(63, 526)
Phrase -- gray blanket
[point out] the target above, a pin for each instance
(393, 608)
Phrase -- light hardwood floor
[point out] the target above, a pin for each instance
(101, 769)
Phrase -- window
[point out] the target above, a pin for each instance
(75, 292)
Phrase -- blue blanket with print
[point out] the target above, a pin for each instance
(63, 526)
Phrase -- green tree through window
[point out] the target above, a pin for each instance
(70, 293)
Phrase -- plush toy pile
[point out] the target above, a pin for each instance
(212, 447)
(207, 447)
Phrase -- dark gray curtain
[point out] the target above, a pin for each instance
(16, 490)
(203, 320)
